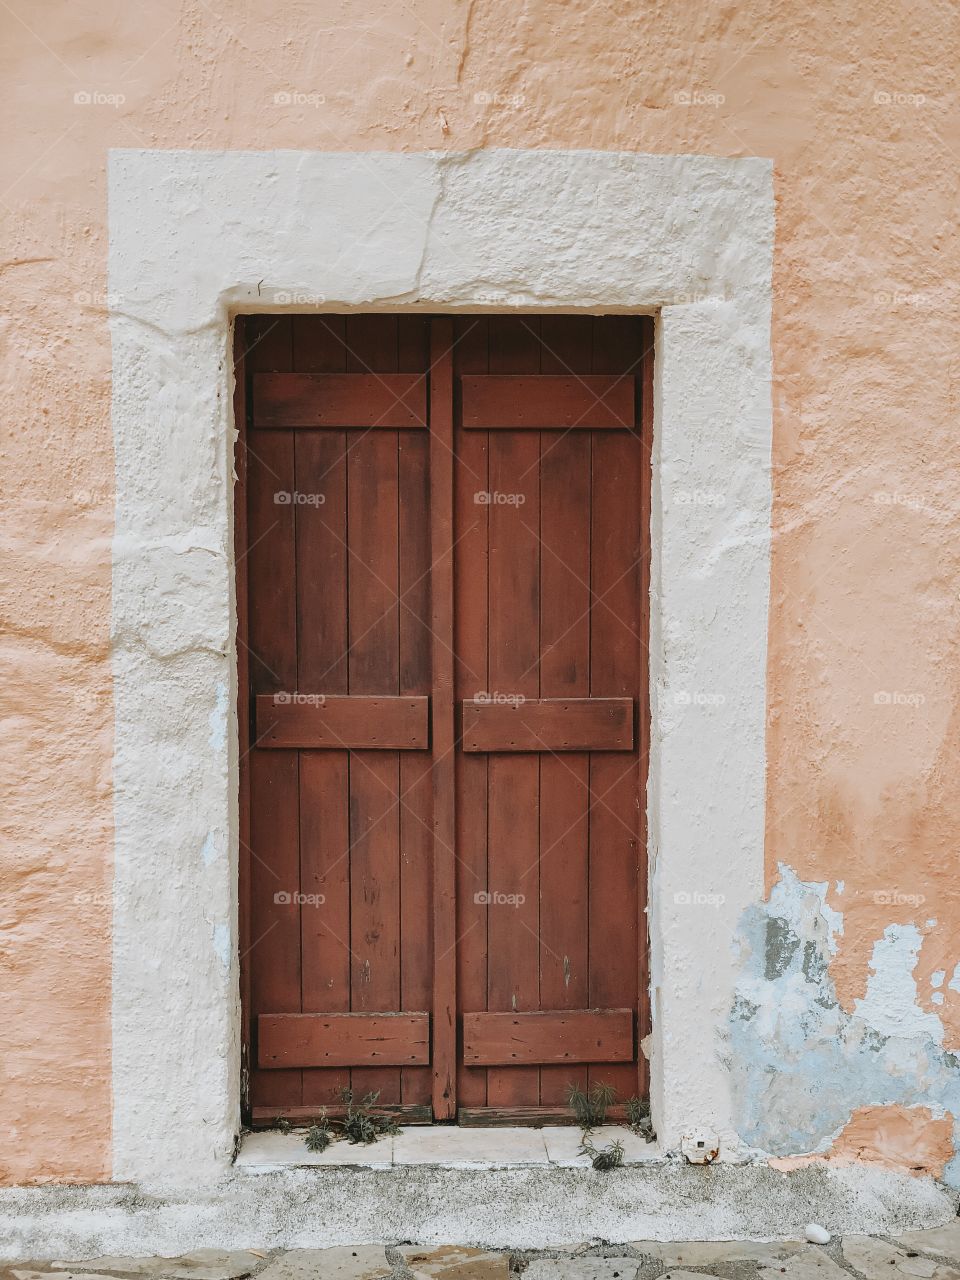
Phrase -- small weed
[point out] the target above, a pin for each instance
(282, 1123)
(360, 1124)
(363, 1125)
(638, 1110)
(638, 1117)
(319, 1135)
(604, 1159)
(590, 1107)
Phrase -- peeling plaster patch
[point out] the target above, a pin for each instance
(221, 944)
(937, 977)
(902, 1138)
(803, 1064)
(890, 1004)
(210, 852)
(954, 983)
(218, 718)
(781, 947)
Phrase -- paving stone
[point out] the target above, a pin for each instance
(583, 1269)
(675, 1274)
(348, 1262)
(707, 1253)
(943, 1240)
(456, 1262)
(809, 1262)
(203, 1264)
(21, 1274)
(875, 1258)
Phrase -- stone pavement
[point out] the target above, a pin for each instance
(917, 1255)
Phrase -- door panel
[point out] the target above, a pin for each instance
(558, 720)
(443, 573)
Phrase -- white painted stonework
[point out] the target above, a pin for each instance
(196, 238)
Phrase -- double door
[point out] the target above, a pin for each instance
(442, 537)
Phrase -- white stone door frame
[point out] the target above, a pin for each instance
(196, 238)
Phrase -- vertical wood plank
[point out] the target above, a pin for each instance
(374, 667)
(471, 479)
(444, 1053)
(564, 672)
(615, 650)
(321, 478)
(416, 796)
(514, 653)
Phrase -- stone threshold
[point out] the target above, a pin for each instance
(445, 1146)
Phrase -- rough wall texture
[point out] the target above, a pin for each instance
(858, 113)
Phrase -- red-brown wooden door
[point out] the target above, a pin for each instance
(442, 585)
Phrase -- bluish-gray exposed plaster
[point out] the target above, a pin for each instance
(800, 1064)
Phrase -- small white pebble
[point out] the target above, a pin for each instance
(817, 1234)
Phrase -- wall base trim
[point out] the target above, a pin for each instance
(531, 1207)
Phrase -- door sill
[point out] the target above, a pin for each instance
(446, 1146)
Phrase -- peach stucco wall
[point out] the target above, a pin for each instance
(858, 111)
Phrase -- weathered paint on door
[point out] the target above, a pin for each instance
(443, 568)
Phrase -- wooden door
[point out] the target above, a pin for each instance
(442, 581)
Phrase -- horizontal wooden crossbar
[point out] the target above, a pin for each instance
(536, 1117)
(563, 1035)
(549, 724)
(343, 1039)
(337, 722)
(392, 400)
(403, 1112)
(541, 401)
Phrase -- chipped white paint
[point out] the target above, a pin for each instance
(891, 1004)
(224, 232)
